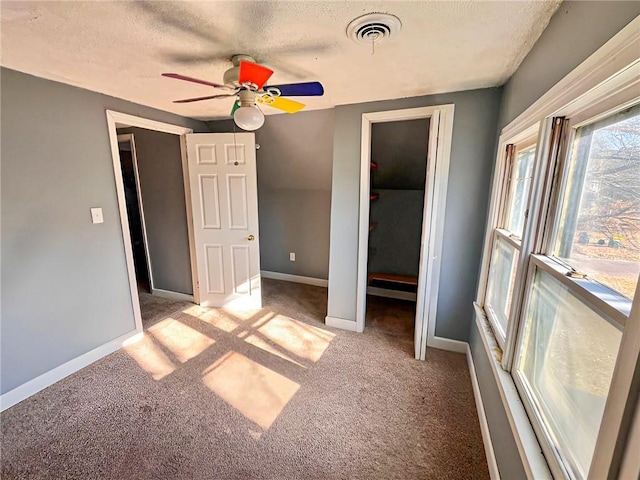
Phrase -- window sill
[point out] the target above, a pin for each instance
(530, 452)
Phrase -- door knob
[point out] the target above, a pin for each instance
(251, 238)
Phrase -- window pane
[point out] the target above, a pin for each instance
(502, 274)
(567, 359)
(519, 186)
(599, 231)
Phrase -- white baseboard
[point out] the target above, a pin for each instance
(340, 323)
(385, 292)
(317, 282)
(447, 344)
(494, 473)
(180, 297)
(32, 387)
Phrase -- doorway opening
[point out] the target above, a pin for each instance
(135, 215)
(402, 259)
(397, 187)
(155, 302)
(156, 238)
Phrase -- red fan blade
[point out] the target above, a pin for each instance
(253, 73)
(197, 99)
(177, 76)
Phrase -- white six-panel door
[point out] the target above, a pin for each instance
(224, 202)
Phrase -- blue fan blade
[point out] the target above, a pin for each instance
(306, 89)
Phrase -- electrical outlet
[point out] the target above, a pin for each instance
(292, 256)
(96, 215)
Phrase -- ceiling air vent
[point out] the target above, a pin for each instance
(374, 28)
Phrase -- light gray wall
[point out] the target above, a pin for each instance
(400, 151)
(575, 31)
(475, 119)
(295, 220)
(394, 244)
(504, 446)
(162, 186)
(294, 190)
(65, 289)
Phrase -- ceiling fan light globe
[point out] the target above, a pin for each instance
(248, 118)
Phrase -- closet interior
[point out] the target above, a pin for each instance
(397, 188)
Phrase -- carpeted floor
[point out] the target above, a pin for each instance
(269, 394)
(153, 307)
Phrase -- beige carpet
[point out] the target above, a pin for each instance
(154, 307)
(272, 394)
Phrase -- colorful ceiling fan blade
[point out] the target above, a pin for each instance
(177, 76)
(236, 105)
(305, 89)
(284, 104)
(197, 99)
(253, 73)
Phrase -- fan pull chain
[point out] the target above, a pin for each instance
(235, 145)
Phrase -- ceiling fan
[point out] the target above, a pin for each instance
(246, 81)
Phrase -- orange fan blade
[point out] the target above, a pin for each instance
(253, 73)
(281, 103)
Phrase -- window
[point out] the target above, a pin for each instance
(567, 355)
(561, 269)
(520, 183)
(599, 232)
(502, 275)
(581, 287)
(519, 160)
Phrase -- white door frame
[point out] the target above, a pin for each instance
(124, 138)
(113, 119)
(439, 153)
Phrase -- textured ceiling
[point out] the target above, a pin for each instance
(121, 48)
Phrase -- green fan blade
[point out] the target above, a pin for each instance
(236, 105)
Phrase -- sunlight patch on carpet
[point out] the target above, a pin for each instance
(150, 357)
(256, 341)
(183, 341)
(263, 319)
(256, 391)
(242, 314)
(213, 317)
(298, 338)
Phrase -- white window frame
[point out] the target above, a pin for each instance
(525, 140)
(605, 78)
(558, 272)
(605, 301)
(518, 147)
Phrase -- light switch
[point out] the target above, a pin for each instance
(96, 215)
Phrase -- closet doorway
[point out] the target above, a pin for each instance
(163, 258)
(135, 213)
(404, 172)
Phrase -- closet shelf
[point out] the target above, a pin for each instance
(390, 277)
